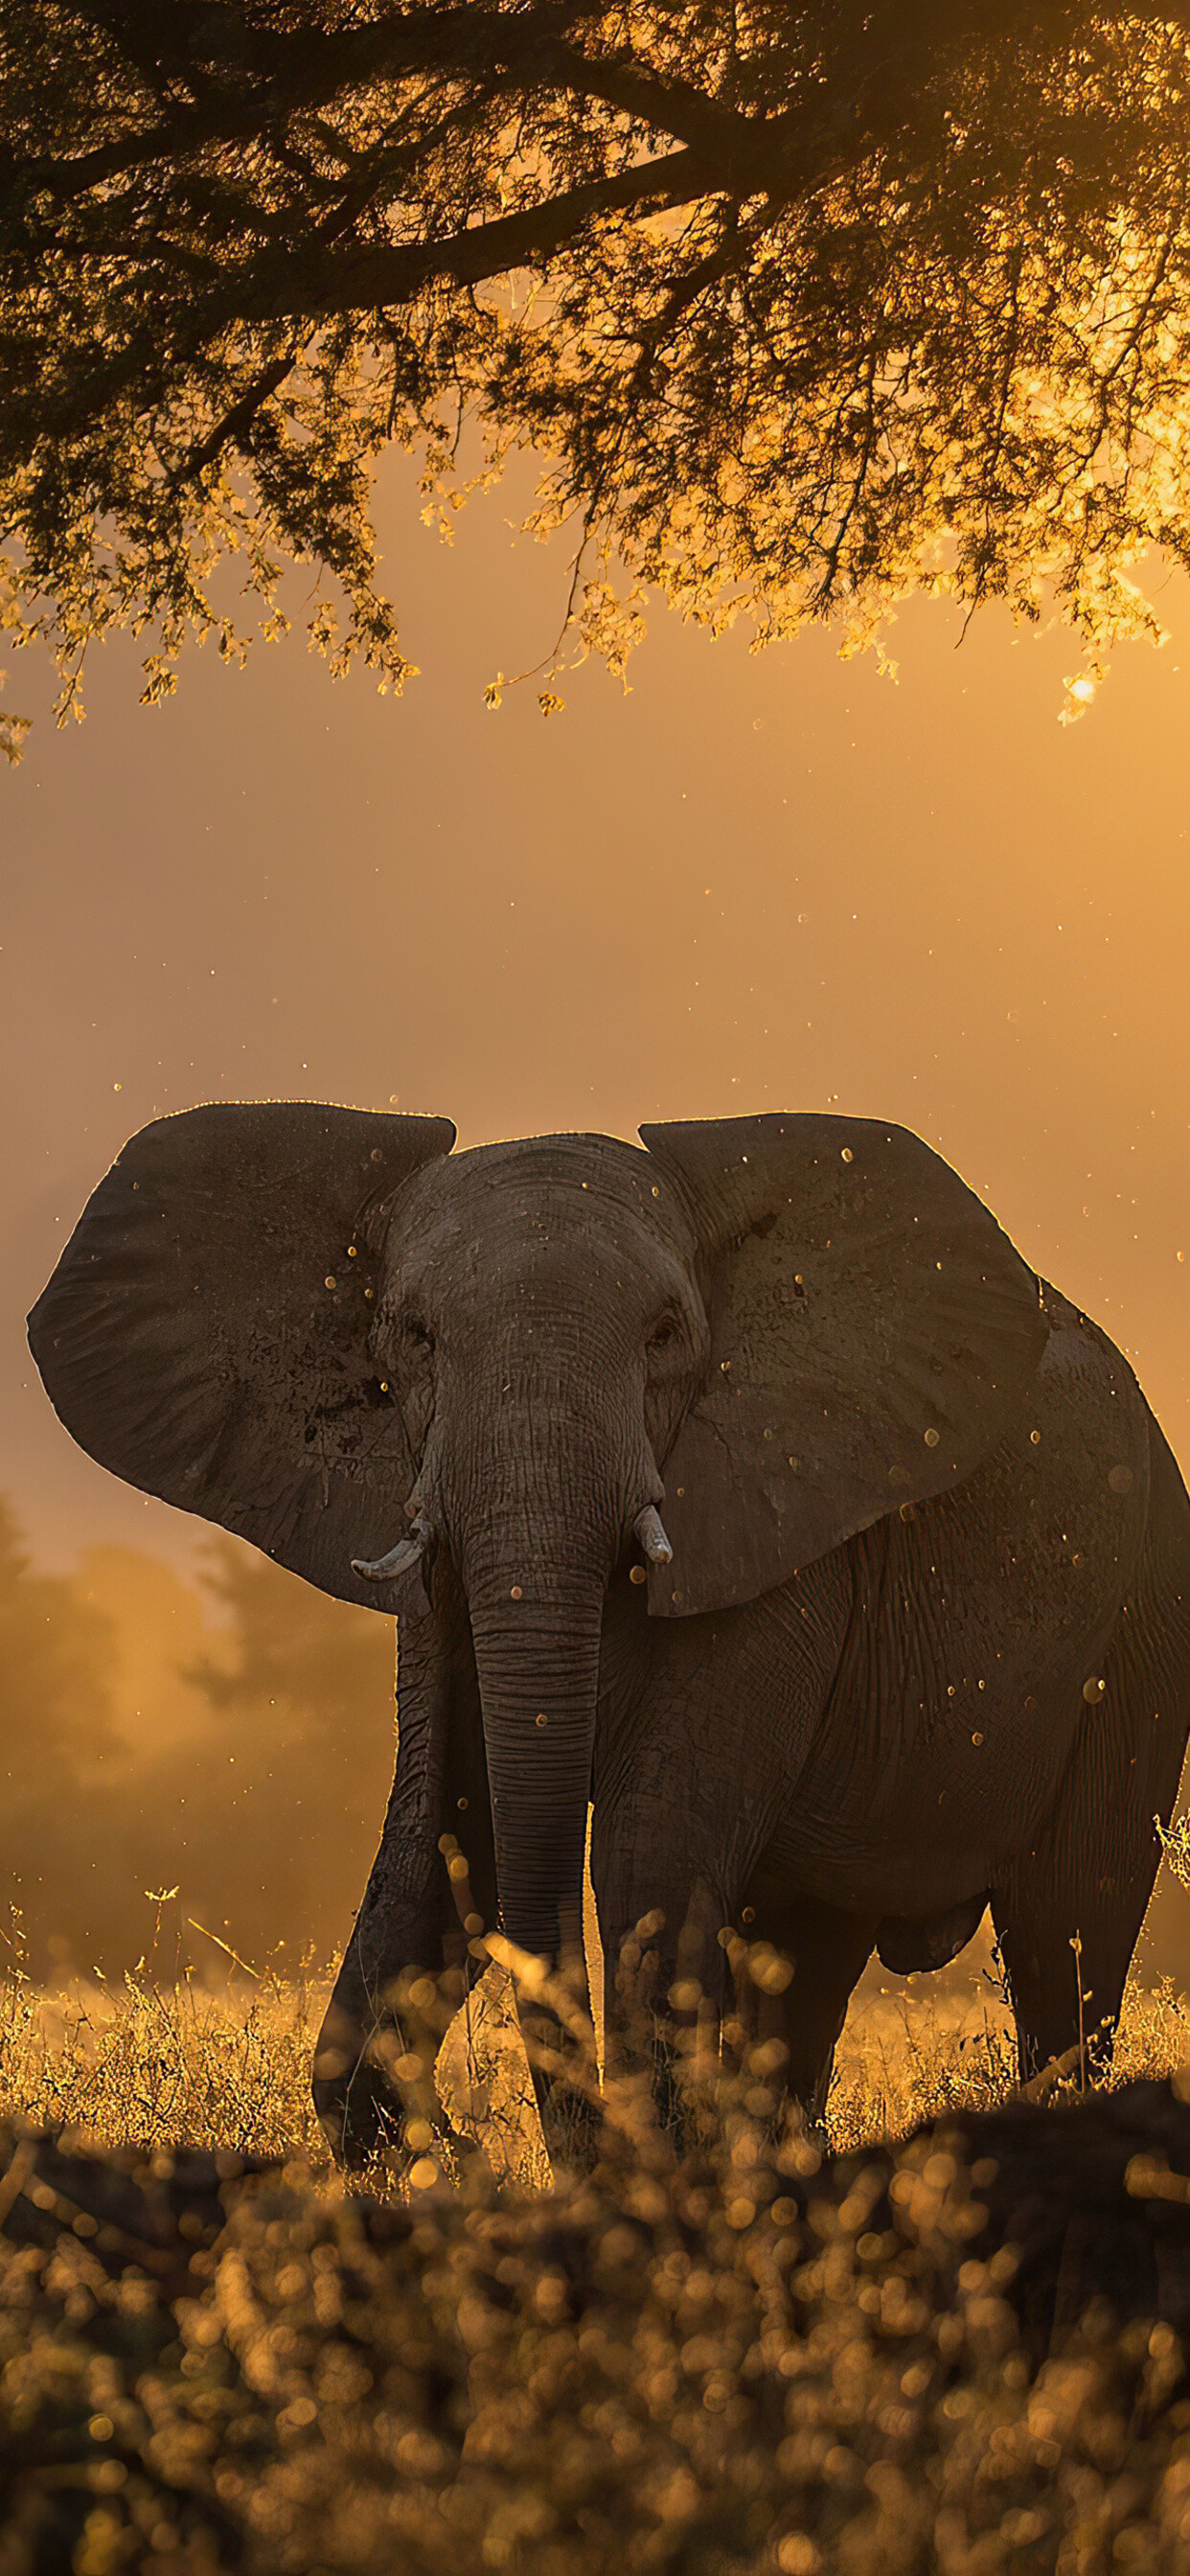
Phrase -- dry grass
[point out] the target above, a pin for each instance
(152, 2064)
(901, 2062)
(743, 2363)
(148, 2065)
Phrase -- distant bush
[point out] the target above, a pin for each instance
(263, 1810)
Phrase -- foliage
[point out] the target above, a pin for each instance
(152, 2063)
(13, 730)
(55, 1708)
(754, 2357)
(806, 302)
(1175, 1847)
(144, 2061)
(292, 1661)
(284, 1793)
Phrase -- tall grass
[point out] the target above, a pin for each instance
(151, 2063)
(740, 2362)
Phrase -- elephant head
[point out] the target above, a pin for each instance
(378, 1360)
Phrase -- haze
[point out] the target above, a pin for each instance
(754, 882)
(773, 882)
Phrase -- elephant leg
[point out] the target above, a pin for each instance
(688, 1797)
(667, 1984)
(666, 1901)
(1088, 1874)
(1068, 1912)
(827, 1951)
(373, 2066)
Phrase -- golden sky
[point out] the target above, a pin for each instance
(771, 882)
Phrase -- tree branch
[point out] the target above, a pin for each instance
(296, 75)
(379, 274)
(233, 428)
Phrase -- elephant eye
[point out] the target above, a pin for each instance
(416, 1330)
(663, 1334)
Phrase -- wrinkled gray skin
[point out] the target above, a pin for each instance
(924, 1643)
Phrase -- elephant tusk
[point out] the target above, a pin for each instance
(398, 1560)
(654, 1542)
(407, 1552)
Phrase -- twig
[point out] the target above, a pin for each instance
(23, 2162)
(223, 1945)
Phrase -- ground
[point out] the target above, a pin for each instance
(959, 2355)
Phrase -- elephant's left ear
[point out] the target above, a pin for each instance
(206, 1332)
(873, 1335)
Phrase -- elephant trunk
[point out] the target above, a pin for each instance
(537, 1492)
(537, 1660)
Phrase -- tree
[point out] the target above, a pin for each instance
(263, 1818)
(806, 303)
(267, 1817)
(59, 1756)
(56, 1720)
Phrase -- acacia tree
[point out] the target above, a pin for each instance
(805, 303)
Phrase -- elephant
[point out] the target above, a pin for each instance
(744, 1484)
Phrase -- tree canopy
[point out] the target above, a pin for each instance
(804, 303)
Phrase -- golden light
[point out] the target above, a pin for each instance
(1079, 693)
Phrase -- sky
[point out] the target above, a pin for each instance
(752, 882)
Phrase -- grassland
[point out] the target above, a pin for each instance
(151, 2063)
(752, 2361)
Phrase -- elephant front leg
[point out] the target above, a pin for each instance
(704, 1731)
(709, 1956)
(373, 2065)
(373, 2077)
(667, 1900)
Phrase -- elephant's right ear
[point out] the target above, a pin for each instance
(205, 1334)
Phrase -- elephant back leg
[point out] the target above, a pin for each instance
(410, 1922)
(1088, 1875)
